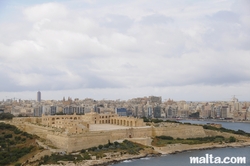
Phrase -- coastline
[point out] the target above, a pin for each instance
(216, 120)
(182, 148)
(158, 151)
(162, 153)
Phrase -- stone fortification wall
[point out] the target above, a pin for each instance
(179, 130)
(40, 131)
(95, 138)
(89, 139)
(75, 142)
(27, 119)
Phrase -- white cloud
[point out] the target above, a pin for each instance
(47, 10)
(155, 48)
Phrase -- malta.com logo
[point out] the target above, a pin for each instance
(210, 159)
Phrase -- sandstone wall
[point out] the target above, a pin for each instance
(181, 131)
(75, 142)
(95, 138)
(41, 131)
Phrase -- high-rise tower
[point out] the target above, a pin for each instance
(38, 97)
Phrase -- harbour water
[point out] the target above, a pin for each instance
(229, 125)
(183, 159)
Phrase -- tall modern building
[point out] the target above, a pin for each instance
(38, 97)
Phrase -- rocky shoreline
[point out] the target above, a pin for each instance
(154, 151)
(158, 151)
(208, 148)
(235, 145)
(178, 148)
(130, 158)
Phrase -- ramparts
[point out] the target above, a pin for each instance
(74, 142)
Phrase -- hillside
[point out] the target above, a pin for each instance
(15, 144)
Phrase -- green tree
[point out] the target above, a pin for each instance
(232, 139)
(4, 116)
(100, 146)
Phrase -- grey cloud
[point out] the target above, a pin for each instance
(128, 65)
(212, 76)
(7, 84)
(89, 48)
(225, 31)
(45, 76)
(121, 23)
(225, 16)
(53, 82)
(227, 79)
(156, 19)
(98, 82)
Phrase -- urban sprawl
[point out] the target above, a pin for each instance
(149, 107)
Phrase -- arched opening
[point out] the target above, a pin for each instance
(131, 123)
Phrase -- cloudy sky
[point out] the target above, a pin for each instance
(116, 49)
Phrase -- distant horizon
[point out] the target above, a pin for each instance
(82, 98)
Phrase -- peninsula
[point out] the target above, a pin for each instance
(93, 138)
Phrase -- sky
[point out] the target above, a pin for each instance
(193, 50)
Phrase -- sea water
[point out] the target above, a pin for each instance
(183, 159)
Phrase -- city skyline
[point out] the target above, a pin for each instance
(183, 50)
(64, 98)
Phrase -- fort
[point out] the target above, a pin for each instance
(75, 132)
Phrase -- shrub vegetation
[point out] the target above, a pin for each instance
(164, 140)
(13, 144)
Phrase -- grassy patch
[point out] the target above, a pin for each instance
(222, 129)
(126, 147)
(55, 158)
(165, 140)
